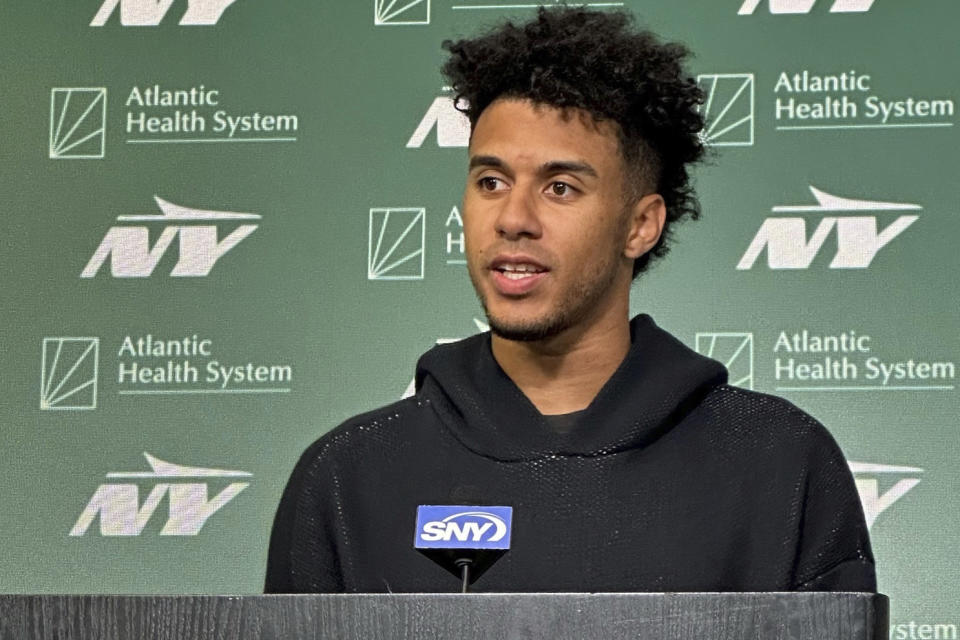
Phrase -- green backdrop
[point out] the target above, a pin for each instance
(228, 226)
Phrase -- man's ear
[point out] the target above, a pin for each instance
(645, 224)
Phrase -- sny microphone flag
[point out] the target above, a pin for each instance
(463, 527)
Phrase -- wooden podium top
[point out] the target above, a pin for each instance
(557, 616)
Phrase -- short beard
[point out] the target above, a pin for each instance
(571, 310)
(529, 332)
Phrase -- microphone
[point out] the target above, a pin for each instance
(464, 540)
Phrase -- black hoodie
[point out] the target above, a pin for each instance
(671, 480)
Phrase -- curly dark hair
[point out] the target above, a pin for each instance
(574, 58)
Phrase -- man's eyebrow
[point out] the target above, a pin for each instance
(486, 161)
(568, 166)
(556, 166)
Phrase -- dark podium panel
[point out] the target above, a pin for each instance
(671, 616)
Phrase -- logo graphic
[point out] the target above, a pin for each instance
(485, 5)
(78, 118)
(734, 350)
(68, 373)
(858, 238)
(446, 527)
(131, 255)
(453, 127)
(804, 6)
(396, 243)
(149, 13)
(729, 109)
(868, 476)
(398, 12)
(121, 514)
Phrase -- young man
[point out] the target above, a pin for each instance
(630, 464)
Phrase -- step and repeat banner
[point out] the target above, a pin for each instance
(231, 224)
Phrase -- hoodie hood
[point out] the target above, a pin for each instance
(658, 383)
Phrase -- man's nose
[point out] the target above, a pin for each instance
(518, 216)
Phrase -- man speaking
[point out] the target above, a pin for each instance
(629, 463)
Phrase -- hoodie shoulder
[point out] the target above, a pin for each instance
(770, 423)
(451, 357)
(371, 429)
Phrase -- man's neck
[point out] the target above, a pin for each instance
(564, 373)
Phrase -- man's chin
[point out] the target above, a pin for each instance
(527, 330)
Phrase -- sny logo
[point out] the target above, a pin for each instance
(804, 6)
(149, 13)
(121, 513)
(132, 257)
(463, 527)
(858, 240)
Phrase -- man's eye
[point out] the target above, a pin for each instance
(561, 189)
(489, 183)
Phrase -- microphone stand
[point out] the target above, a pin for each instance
(464, 564)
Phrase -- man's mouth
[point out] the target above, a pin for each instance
(515, 271)
(517, 275)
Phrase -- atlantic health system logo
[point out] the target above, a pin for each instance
(68, 373)
(858, 236)
(417, 12)
(729, 109)
(401, 12)
(733, 349)
(130, 253)
(78, 119)
(396, 243)
(189, 506)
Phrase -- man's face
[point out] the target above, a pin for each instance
(545, 221)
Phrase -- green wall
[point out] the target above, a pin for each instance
(288, 220)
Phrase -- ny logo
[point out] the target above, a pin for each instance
(149, 13)
(131, 256)
(805, 6)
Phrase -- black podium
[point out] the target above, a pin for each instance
(647, 616)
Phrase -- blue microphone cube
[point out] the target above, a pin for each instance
(463, 527)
